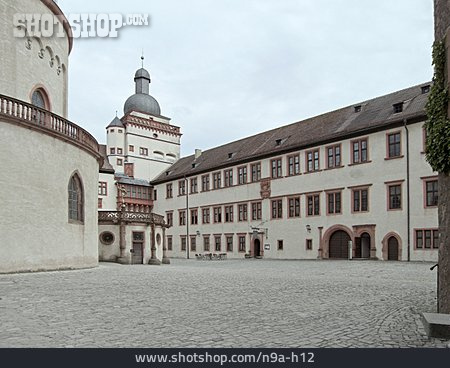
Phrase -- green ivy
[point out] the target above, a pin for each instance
(438, 124)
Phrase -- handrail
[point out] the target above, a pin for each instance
(46, 120)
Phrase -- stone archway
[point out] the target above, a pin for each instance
(385, 248)
(328, 234)
(257, 246)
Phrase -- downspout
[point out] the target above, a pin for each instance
(187, 216)
(408, 206)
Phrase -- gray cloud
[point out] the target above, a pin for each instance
(225, 69)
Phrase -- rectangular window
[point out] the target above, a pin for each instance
(119, 162)
(242, 212)
(112, 151)
(229, 243)
(242, 175)
(182, 187)
(359, 151)
(169, 216)
(169, 242)
(256, 211)
(427, 239)
(194, 185)
(395, 197)
(228, 176)
(394, 145)
(333, 156)
(228, 213)
(334, 203)
(102, 188)
(294, 207)
(217, 214)
(277, 209)
(256, 172)
(431, 193)
(131, 148)
(205, 183)
(205, 215)
(216, 180)
(312, 160)
(119, 151)
(294, 165)
(276, 168)
(280, 245)
(313, 208)
(169, 190)
(193, 243)
(183, 243)
(360, 200)
(242, 243)
(206, 243)
(217, 244)
(182, 218)
(194, 217)
(309, 244)
(143, 151)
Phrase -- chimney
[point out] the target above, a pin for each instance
(129, 169)
(198, 153)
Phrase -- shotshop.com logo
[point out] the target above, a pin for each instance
(82, 25)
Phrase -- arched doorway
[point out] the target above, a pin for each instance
(338, 246)
(257, 247)
(392, 249)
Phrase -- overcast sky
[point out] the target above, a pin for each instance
(226, 69)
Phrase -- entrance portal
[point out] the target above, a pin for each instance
(257, 248)
(392, 249)
(339, 245)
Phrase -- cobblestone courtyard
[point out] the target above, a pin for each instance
(246, 303)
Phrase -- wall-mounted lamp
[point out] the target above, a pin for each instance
(198, 233)
(308, 228)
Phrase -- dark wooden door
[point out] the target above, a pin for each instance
(137, 256)
(392, 249)
(339, 245)
(257, 248)
(358, 253)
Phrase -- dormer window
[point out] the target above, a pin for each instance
(231, 155)
(194, 165)
(425, 89)
(280, 141)
(358, 108)
(168, 173)
(398, 107)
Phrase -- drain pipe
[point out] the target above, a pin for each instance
(408, 206)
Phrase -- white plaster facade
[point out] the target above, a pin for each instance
(378, 221)
(41, 152)
(33, 62)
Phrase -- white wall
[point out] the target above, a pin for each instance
(35, 233)
(293, 230)
(23, 69)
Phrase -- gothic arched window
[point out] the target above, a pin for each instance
(75, 192)
(39, 98)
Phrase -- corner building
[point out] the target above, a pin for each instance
(349, 183)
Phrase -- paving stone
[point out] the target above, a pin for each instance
(210, 304)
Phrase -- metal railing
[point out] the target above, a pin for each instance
(126, 216)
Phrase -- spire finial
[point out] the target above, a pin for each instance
(116, 114)
(142, 58)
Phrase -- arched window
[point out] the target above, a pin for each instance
(39, 98)
(75, 192)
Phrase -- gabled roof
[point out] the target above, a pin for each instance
(375, 114)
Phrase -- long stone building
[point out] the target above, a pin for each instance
(351, 183)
